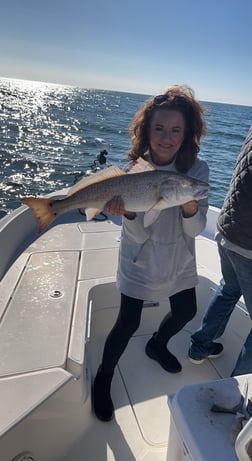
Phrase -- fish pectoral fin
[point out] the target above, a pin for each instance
(111, 172)
(139, 166)
(91, 213)
(151, 216)
(153, 213)
(162, 204)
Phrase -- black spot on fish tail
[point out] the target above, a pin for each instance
(51, 204)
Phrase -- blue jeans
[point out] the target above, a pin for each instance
(237, 281)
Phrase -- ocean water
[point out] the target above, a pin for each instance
(47, 137)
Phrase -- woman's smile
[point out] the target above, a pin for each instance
(167, 130)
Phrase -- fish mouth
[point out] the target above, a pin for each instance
(203, 193)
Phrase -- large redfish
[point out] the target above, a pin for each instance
(147, 190)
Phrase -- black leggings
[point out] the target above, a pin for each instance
(183, 309)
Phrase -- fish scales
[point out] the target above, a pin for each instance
(138, 191)
(148, 191)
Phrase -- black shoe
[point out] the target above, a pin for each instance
(167, 360)
(102, 402)
(198, 359)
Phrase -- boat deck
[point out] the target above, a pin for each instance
(140, 389)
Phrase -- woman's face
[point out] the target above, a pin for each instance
(167, 132)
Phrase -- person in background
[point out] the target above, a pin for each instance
(103, 149)
(157, 262)
(234, 239)
(101, 157)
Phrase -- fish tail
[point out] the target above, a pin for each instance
(42, 210)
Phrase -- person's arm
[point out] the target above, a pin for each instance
(116, 207)
(194, 212)
(189, 209)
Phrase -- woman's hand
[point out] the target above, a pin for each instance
(115, 206)
(190, 208)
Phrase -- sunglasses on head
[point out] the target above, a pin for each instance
(163, 98)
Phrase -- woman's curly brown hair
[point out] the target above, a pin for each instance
(181, 98)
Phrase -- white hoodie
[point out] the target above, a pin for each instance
(158, 261)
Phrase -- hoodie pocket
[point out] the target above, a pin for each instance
(162, 261)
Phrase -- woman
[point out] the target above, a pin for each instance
(157, 262)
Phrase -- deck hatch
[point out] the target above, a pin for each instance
(34, 333)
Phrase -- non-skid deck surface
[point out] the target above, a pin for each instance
(140, 390)
(140, 387)
(148, 385)
(140, 430)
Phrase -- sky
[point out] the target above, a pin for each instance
(137, 46)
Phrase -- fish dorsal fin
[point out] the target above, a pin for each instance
(107, 173)
(139, 166)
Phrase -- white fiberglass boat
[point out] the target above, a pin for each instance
(58, 300)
